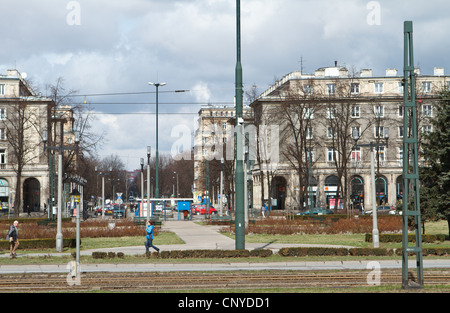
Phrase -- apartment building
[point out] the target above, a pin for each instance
(24, 116)
(214, 140)
(317, 115)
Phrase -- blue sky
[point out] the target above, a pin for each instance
(115, 46)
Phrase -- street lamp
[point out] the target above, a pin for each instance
(149, 152)
(372, 146)
(60, 149)
(178, 191)
(157, 85)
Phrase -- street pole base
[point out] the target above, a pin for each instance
(59, 243)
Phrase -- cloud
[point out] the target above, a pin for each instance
(119, 46)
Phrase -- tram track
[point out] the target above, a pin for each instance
(165, 281)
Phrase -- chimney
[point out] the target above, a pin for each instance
(366, 73)
(391, 72)
(438, 71)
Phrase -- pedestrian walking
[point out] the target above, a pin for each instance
(13, 237)
(149, 237)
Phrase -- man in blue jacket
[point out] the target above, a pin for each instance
(149, 237)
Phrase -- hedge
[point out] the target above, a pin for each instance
(411, 238)
(185, 254)
(48, 243)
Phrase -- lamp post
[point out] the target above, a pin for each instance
(60, 149)
(239, 172)
(142, 186)
(149, 149)
(157, 85)
(178, 191)
(372, 146)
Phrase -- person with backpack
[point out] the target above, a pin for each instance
(13, 237)
(149, 237)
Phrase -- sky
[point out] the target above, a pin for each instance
(109, 50)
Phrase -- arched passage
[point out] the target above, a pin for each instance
(279, 192)
(31, 195)
(381, 185)
(357, 192)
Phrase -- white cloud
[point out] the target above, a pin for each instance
(121, 45)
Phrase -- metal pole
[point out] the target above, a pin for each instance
(157, 149)
(239, 172)
(148, 183)
(221, 187)
(410, 169)
(59, 235)
(103, 196)
(375, 233)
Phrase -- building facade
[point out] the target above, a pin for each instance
(24, 163)
(214, 140)
(319, 116)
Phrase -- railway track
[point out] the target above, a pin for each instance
(206, 281)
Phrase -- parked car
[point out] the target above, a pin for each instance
(384, 209)
(118, 211)
(202, 209)
(317, 211)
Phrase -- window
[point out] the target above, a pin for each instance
(426, 129)
(400, 111)
(354, 88)
(379, 111)
(355, 111)
(378, 87)
(400, 154)
(308, 89)
(2, 114)
(356, 131)
(331, 133)
(400, 131)
(400, 87)
(308, 113)
(331, 88)
(331, 155)
(381, 153)
(356, 155)
(426, 87)
(2, 157)
(2, 134)
(2, 89)
(379, 132)
(331, 112)
(426, 110)
(224, 125)
(309, 133)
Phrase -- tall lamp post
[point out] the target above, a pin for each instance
(60, 149)
(157, 85)
(372, 146)
(149, 152)
(239, 172)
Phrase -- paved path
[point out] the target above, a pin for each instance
(205, 237)
(198, 237)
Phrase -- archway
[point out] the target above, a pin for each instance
(381, 185)
(31, 195)
(357, 192)
(4, 195)
(399, 187)
(331, 186)
(279, 192)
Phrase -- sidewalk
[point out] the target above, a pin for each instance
(198, 237)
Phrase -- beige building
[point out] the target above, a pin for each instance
(317, 114)
(24, 116)
(213, 140)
